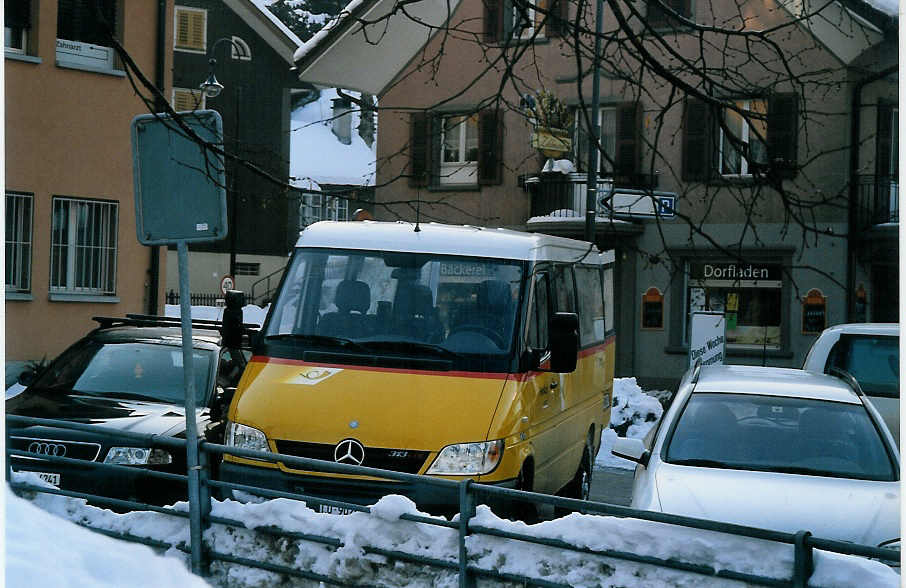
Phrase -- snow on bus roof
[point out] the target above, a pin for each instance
(467, 240)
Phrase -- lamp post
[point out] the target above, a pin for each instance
(211, 88)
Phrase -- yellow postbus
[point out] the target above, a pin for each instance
(450, 351)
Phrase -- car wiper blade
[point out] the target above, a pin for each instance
(708, 463)
(409, 346)
(317, 340)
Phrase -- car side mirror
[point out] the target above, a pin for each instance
(631, 449)
(564, 338)
(220, 405)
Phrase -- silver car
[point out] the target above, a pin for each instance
(774, 448)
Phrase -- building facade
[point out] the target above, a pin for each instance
(71, 247)
(727, 179)
(253, 53)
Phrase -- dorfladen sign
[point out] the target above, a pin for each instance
(707, 339)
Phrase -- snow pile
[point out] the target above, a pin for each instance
(39, 542)
(43, 550)
(632, 415)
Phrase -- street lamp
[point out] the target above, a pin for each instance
(211, 88)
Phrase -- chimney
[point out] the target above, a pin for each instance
(366, 119)
(341, 122)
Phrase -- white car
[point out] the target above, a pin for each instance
(774, 448)
(870, 352)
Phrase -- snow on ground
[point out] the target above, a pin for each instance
(633, 414)
(43, 551)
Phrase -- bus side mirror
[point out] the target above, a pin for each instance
(231, 326)
(564, 339)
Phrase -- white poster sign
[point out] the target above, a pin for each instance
(707, 339)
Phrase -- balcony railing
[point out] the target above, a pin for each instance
(564, 195)
(877, 201)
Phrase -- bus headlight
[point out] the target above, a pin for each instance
(245, 437)
(468, 458)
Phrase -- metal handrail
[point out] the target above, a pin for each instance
(468, 491)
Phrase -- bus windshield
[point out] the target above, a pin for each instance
(397, 301)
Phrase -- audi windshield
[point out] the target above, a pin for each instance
(135, 371)
(389, 302)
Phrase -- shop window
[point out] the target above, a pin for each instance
(750, 295)
(190, 33)
(83, 39)
(18, 241)
(83, 247)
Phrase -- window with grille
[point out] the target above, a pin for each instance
(187, 99)
(247, 268)
(190, 33)
(18, 241)
(317, 207)
(83, 246)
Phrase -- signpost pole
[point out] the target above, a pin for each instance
(185, 312)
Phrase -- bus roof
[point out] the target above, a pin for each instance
(449, 240)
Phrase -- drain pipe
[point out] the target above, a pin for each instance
(159, 69)
(854, 152)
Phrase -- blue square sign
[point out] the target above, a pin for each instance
(180, 192)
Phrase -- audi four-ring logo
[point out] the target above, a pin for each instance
(349, 451)
(42, 448)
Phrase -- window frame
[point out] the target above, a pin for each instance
(581, 140)
(453, 172)
(87, 54)
(105, 278)
(337, 208)
(19, 242)
(195, 93)
(177, 10)
(21, 30)
(745, 104)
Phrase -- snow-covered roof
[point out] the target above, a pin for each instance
(318, 157)
(267, 26)
(448, 240)
(334, 56)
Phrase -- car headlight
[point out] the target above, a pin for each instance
(245, 437)
(138, 456)
(468, 458)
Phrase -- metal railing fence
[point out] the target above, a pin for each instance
(469, 494)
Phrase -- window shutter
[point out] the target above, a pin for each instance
(558, 19)
(184, 99)
(698, 141)
(883, 140)
(17, 13)
(418, 149)
(490, 147)
(628, 148)
(493, 20)
(190, 30)
(783, 134)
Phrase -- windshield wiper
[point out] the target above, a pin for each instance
(410, 346)
(317, 340)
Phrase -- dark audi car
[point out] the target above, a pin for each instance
(126, 375)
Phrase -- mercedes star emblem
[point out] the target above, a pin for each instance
(349, 451)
